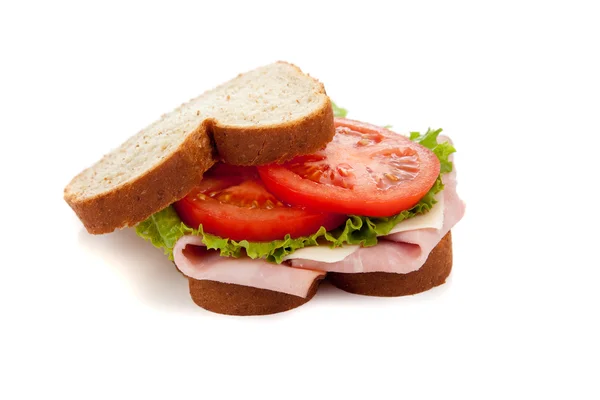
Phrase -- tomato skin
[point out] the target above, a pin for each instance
(232, 221)
(229, 222)
(289, 189)
(293, 188)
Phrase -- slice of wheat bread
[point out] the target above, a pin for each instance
(232, 299)
(270, 114)
(384, 284)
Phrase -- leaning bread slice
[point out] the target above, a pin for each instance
(270, 114)
(384, 284)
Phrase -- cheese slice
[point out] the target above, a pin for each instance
(323, 253)
(433, 219)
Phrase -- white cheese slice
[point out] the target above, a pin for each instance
(432, 219)
(323, 253)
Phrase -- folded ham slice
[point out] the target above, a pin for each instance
(194, 260)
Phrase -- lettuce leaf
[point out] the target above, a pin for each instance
(339, 111)
(441, 150)
(165, 227)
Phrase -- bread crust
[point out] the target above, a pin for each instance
(276, 143)
(136, 200)
(232, 299)
(384, 284)
(269, 144)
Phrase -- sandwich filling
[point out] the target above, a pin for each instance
(370, 201)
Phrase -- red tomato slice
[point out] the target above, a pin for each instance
(366, 170)
(233, 203)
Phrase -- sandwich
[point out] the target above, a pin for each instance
(259, 189)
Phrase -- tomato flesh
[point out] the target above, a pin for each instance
(232, 202)
(365, 170)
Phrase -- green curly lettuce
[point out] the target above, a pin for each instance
(338, 111)
(164, 228)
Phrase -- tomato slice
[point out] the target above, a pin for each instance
(233, 203)
(366, 170)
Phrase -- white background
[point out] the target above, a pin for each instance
(515, 84)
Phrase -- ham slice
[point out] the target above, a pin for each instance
(195, 261)
(401, 252)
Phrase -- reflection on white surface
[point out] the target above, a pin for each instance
(154, 279)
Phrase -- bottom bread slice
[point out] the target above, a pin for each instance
(232, 299)
(384, 284)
